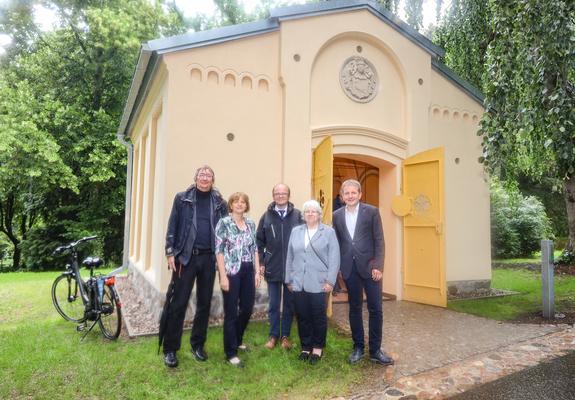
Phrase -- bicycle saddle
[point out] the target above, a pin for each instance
(93, 262)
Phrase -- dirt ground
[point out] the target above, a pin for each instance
(563, 317)
(565, 270)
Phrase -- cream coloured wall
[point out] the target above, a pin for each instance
(279, 106)
(147, 198)
(453, 120)
(378, 132)
(210, 96)
(330, 106)
(308, 40)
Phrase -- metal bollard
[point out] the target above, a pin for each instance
(548, 292)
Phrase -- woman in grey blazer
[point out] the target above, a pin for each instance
(311, 270)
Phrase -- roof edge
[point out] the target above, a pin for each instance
(135, 88)
(212, 36)
(327, 7)
(452, 76)
(152, 50)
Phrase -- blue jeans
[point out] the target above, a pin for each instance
(275, 290)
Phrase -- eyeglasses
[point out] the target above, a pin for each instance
(311, 212)
(281, 194)
(206, 176)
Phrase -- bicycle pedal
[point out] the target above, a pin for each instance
(80, 328)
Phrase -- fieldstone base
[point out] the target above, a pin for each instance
(142, 304)
(458, 288)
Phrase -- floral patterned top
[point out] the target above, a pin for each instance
(236, 245)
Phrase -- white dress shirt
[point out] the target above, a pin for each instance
(351, 220)
(282, 209)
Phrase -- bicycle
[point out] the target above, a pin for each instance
(94, 300)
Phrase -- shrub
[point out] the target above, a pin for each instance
(566, 258)
(42, 240)
(518, 223)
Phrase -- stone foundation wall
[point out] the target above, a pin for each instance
(455, 288)
(154, 300)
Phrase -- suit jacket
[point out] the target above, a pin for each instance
(304, 268)
(367, 248)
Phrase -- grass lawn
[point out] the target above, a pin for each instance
(41, 356)
(528, 301)
(536, 259)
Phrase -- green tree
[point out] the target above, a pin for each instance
(80, 74)
(528, 127)
(414, 13)
(391, 5)
(231, 12)
(30, 164)
(518, 222)
(17, 18)
(438, 6)
(465, 34)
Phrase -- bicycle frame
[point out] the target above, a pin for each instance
(74, 270)
(96, 292)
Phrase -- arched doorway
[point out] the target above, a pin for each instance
(366, 174)
(378, 172)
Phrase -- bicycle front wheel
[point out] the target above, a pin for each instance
(111, 316)
(67, 298)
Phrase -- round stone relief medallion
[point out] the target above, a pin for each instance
(358, 79)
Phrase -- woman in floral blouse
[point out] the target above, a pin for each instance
(238, 263)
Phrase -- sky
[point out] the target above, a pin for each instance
(190, 8)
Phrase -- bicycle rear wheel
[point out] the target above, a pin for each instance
(67, 298)
(111, 316)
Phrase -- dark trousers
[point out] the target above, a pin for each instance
(310, 309)
(355, 287)
(202, 270)
(276, 291)
(238, 307)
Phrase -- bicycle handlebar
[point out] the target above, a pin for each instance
(61, 249)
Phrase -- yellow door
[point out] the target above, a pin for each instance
(323, 177)
(323, 186)
(421, 206)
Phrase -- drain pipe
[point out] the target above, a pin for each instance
(128, 205)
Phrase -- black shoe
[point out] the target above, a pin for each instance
(171, 360)
(303, 356)
(314, 358)
(379, 357)
(356, 355)
(200, 354)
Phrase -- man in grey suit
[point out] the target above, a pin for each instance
(362, 248)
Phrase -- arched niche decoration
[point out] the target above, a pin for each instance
(196, 74)
(229, 79)
(263, 84)
(453, 114)
(213, 77)
(247, 82)
(392, 95)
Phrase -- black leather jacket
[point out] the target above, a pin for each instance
(181, 233)
(273, 238)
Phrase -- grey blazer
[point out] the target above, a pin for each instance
(304, 270)
(367, 248)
